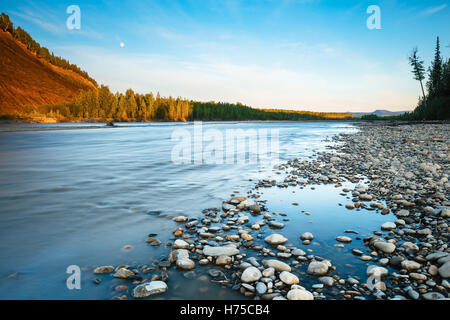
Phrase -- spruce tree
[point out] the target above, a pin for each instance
(434, 84)
(418, 70)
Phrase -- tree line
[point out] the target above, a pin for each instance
(103, 105)
(210, 111)
(435, 101)
(24, 37)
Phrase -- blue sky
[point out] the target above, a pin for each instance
(296, 54)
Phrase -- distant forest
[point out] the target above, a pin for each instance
(103, 105)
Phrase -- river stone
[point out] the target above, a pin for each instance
(344, 239)
(251, 274)
(436, 255)
(185, 263)
(317, 268)
(223, 260)
(444, 270)
(180, 244)
(328, 281)
(220, 251)
(417, 276)
(104, 269)
(246, 203)
(298, 252)
(276, 225)
(410, 265)
(384, 261)
(248, 287)
(275, 238)
(298, 294)
(123, 273)
(402, 213)
(277, 265)
(149, 289)
(180, 219)
(433, 296)
(307, 236)
(388, 226)
(268, 272)
(227, 207)
(413, 294)
(445, 213)
(261, 288)
(386, 247)
(377, 271)
(289, 278)
(410, 246)
(284, 255)
(178, 254)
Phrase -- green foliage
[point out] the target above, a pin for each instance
(434, 83)
(102, 105)
(6, 24)
(212, 111)
(417, 65)
(436, 104)
(42, 52)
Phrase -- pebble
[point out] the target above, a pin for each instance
(277, 265)
(298, 294)
(386, 247)
(388, 226)
(289, 278)
(149, 289)
(251, 274)
(220, 251)
(185, 264)
(104, 269)
(344, 239)
(410, 265)
(444, 270)
(307, 236)
(275, 238)
(317, 268)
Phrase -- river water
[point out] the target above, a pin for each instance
(77, 196)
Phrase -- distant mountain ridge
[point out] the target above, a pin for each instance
(379, 113)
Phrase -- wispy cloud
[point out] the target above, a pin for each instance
(52, 22)
(31, 16)
(432, 10)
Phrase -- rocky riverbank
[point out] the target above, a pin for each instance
(400, 170)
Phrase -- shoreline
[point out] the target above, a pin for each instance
(415, 245)
(7, 127)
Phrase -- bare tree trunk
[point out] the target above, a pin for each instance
(423, 92)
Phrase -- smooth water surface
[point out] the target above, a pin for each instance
(78, 196)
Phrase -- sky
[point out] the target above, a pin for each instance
(313, 55)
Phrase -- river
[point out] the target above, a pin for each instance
(77, 196)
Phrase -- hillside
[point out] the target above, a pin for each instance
(29, 81)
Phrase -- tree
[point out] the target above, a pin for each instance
(418, 69)
(434, 84)
(446, 78)
(6, 24)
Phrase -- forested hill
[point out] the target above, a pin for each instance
(27, 79)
